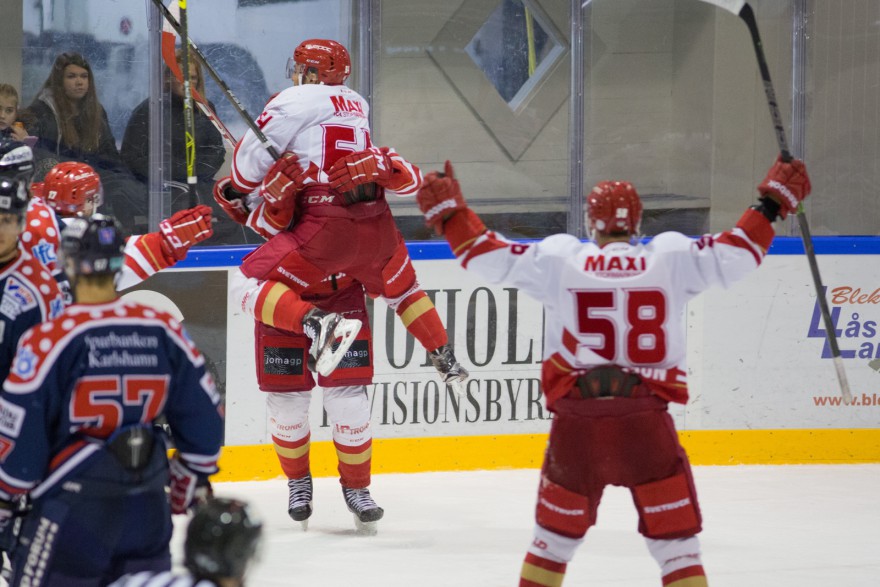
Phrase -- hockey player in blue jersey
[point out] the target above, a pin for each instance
(222, 540)
(29, 293)
(77, 433)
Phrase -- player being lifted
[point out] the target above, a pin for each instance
(331, 235)
(79, 432)
(614, 356)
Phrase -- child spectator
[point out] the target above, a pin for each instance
(10, 125)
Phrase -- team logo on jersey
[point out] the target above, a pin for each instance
(17, 298)
(345, 107)
(25, 363)
(56, 305)
(610, 266)
(45, 253)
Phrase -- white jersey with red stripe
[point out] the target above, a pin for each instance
(42, 239)
(318, 123)
(621, 304)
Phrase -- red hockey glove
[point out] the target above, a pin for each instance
(370, 165)
(187, 489)
(283, 181)
(787, 183)
(440, 197)
(184, 229)
(231, 201)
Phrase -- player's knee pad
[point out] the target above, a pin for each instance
(288, 415)
(668, 508)
(552, 546)
(675, 554)
(398, 274)
(281, 360)
(348, 409)
(562, 511)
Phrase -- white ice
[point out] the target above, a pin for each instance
(780, 526)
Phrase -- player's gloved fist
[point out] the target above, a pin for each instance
(184, 229)
(230, 200)
(787, 183)
(187, 489)
(370, 165)
(282, 182)
(440, 197)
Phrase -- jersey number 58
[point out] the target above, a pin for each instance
(600, 322)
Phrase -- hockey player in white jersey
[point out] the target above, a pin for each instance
(614, 356)
(331, 235)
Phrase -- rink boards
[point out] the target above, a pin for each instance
(763, 385)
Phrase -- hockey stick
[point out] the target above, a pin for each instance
(168, 55)
(742, 9)
(169, 18)
(189, 123)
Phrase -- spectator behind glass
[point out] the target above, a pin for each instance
(10, 125)
(210, 151)
(71, 125)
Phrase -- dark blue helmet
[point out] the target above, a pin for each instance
(92, 246)
(16, 173)
(221, 539)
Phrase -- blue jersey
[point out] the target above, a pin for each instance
(30, 296)
(93, 370)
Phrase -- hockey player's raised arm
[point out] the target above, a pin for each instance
(152, 252)
(478, 249)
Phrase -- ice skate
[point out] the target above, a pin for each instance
(299, 501)
(323, 328)
(366, 512)
(450, 370)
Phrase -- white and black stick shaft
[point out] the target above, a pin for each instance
(169, 18)
(189, 123)
(745, 12)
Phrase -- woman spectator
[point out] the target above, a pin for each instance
(71, 125)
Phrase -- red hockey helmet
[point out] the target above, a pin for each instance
(614, 207)
(70, 185)
(328, 58)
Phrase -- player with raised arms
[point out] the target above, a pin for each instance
(614, 355)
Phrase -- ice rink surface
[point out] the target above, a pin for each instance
(779, 526)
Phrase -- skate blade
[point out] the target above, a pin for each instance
(304, 525)
(346, 330)
(365, 528)
(458, 387)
